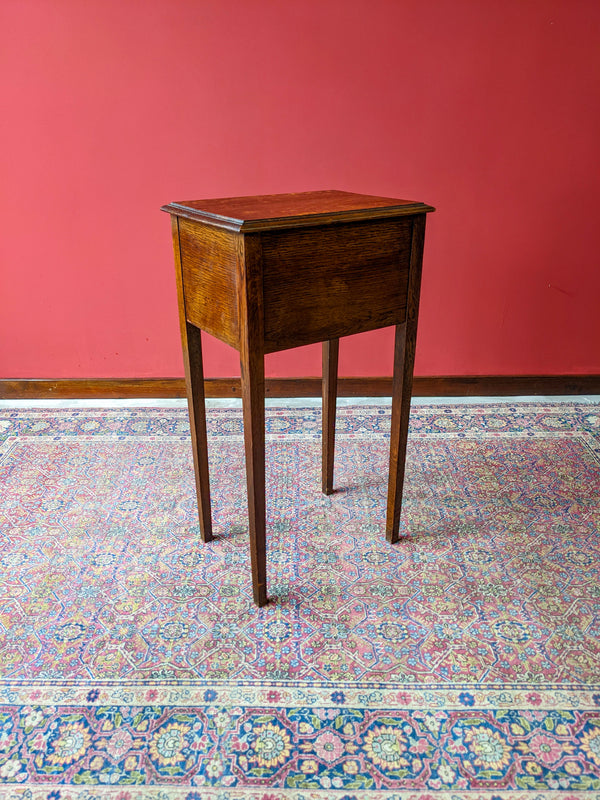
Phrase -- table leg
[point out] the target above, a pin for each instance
(330, 372)
(404, 361)
(191, 342)
(253, 399)
(194, 375)
(401, 393)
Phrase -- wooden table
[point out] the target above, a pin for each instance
(273, 272)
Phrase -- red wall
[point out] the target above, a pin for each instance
(488, 110)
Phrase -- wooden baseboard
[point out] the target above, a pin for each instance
(424, 386)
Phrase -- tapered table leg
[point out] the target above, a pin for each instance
(253, 399)
(330, 372)
(398, 437)
(191, 342)
(194, 374)
(404, 361)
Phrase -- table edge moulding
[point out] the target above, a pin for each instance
(272, 272)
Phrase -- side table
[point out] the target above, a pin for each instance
(272, 272)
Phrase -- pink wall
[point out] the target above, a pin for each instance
(488, 110)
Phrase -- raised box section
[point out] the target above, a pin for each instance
(210, 283)
(306, 301)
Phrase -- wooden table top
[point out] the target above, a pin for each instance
(266, 212)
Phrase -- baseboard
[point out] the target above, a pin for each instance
(424, 386)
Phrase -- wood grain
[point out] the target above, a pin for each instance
(191, 341)
(301, 209)
(404, 359)
(252, 364)
(378, 386)
(330, 281)
(209, 267)
(330, 370)
(197, 412)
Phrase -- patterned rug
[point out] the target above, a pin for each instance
(462, 662)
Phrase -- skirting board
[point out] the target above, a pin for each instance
(423, 386)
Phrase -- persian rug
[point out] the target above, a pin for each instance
(462, 662)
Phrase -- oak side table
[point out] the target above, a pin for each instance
(272, 272)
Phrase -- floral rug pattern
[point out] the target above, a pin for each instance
(462, 662)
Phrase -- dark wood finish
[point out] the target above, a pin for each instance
(197, 411)
(378, 386)
(94, 388)
(308, 267)
(404, 360)
(398, 437)
(191, 341)
(210, 279)
(252, 365)
(328, 281)
(330, 369)
(505, 385)
(302, 209)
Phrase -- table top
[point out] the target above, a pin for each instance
(267, 212)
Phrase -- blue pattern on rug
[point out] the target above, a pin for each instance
(465, 660)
